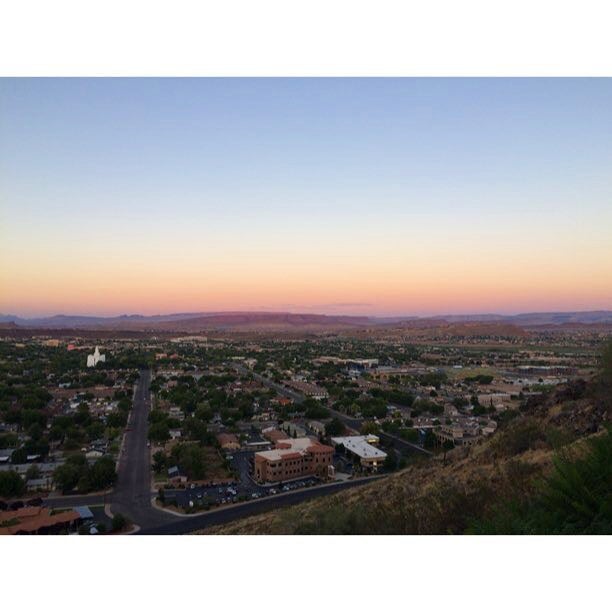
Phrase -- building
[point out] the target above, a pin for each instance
(317, 427)
(499, 401)
(273, 434)
(308, 389)
(292, 459)
(362, 365)
(37, 520)
(175, 476)
(459, 432)
(228, 441)
(362, 448)
(176, 413)
(95, 359)
(293, 429)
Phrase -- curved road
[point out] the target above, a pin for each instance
(132, 494)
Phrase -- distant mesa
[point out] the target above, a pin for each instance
(287, 321)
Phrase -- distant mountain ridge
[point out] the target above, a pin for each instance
(287, 320)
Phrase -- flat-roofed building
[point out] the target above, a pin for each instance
(292, 459)
(370, 457)
(273, 434)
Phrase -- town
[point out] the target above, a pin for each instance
(172, 432)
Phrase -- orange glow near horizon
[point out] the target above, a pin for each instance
(429, 276)
(344, 196)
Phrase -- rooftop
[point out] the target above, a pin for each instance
(360, 446)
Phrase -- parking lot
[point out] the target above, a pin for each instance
(203, 497)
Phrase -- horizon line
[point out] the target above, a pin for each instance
(302, 312)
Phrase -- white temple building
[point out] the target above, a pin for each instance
(93, 360)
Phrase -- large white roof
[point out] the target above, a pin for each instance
(359, 446)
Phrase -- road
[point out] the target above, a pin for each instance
(351, 422)
(298, 398)
(132, 494)
(239, 511)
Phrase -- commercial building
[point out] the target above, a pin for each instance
(292, 459)
(363, 449)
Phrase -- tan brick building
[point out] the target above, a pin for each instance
(292, 459)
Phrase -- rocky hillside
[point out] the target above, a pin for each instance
(549, 470)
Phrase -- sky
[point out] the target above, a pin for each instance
(354, 196)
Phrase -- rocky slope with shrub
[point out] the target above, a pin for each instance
(548, 470)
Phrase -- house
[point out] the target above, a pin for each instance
(308, 389)
(176, 476)
(37, 520)
(317, 427)
(176, 413)
(294, 430)
(228, 441)
(39, 484)
(273, 434)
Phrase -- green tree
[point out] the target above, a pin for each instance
(116, 419)
(119, 522)
(334, 427)
(159, 461)
(102, 474)
(19, 455)
(159, 432)
(11, 484)
(447, 445)
(66, 477)
(390, 463)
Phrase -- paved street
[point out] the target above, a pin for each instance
(351, 422)
(238, 511)
(132, 494)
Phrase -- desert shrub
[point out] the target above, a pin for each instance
(575, 499)
(520, 436)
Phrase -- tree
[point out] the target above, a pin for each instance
(447, 445)
(606, 365)
(370, 427)
(33, 472)
(116, 419)
(119, 522)
(314, 410)
(159, 461)
(66, 477)
(191, 459)
(159, 432)
(409, 434)
(102, 474)
(11, 484)
(390, 463)
(334, 427)
(19, 455)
